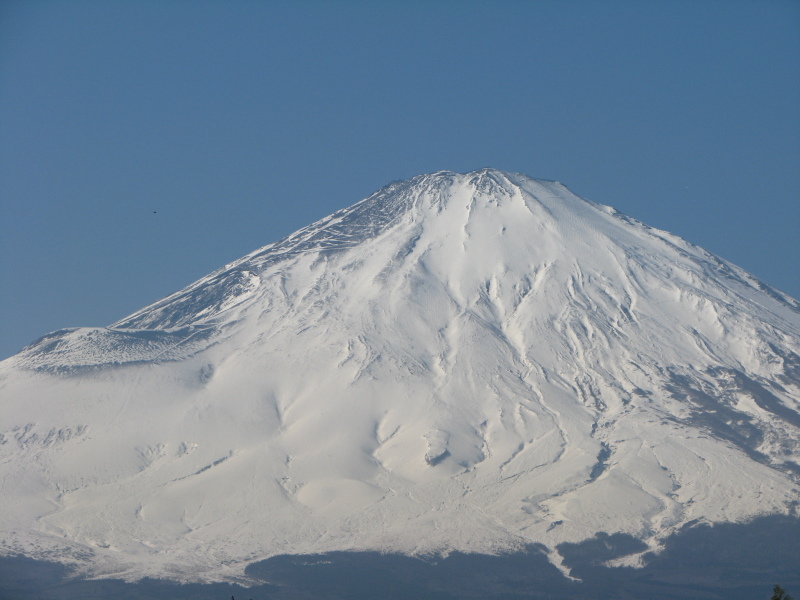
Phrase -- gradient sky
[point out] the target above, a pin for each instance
(145, 144)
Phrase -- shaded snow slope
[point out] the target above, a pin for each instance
(459, 362)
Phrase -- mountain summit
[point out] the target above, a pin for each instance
(470, 362)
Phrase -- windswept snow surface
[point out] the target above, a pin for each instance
(458, 362)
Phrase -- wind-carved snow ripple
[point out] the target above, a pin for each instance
(79, 351)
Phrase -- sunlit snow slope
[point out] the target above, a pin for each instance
(459, 362)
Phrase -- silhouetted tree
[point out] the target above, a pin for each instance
(779, 594)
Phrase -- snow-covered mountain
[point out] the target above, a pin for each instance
(458, 362)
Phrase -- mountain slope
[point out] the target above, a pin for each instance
(459, 362)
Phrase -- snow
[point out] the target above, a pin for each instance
(458, 362)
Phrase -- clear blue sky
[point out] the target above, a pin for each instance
(239, 122)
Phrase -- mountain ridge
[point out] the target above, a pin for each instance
(456, 363)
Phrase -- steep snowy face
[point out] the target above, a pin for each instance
(458, 362)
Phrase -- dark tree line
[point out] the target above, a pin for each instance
(779, 594)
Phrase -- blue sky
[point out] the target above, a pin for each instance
(144, 144)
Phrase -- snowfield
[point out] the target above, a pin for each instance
(458, 362)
